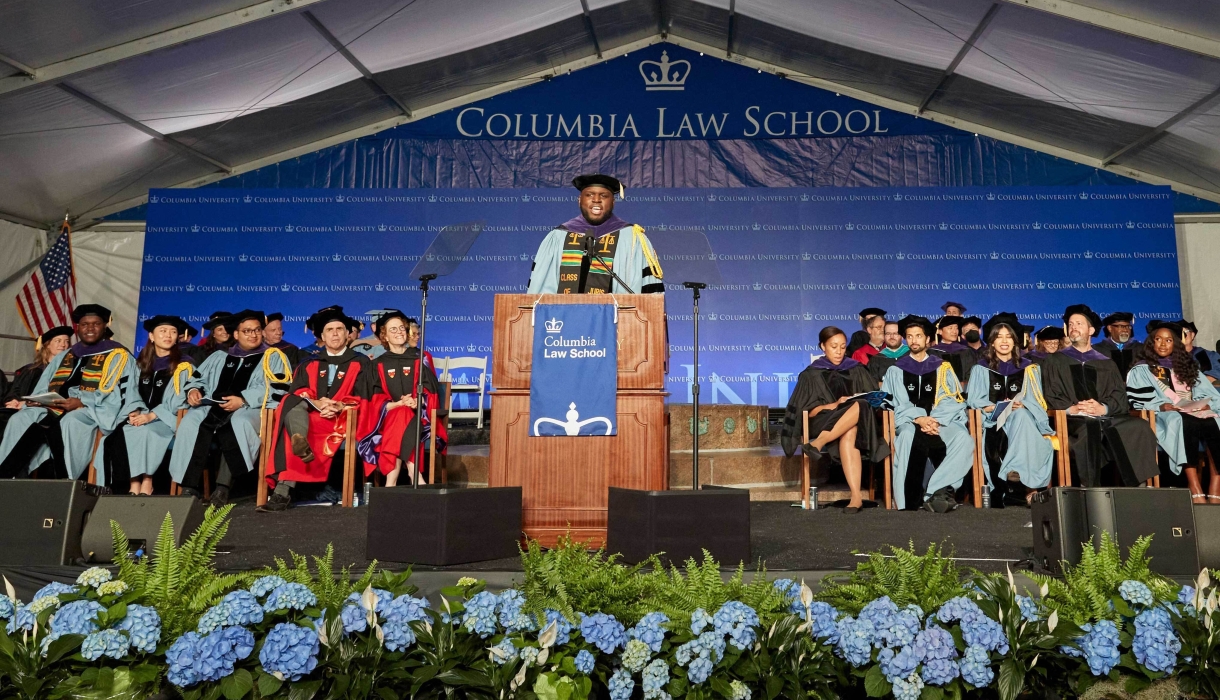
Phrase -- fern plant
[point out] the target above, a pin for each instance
(180, 582)
(907, 577)
(330, 589)
(701, 585)
(1086, 591)
(571, 579)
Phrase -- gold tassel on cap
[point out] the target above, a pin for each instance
(622, 194)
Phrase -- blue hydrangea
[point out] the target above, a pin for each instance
(397, 634)
(94, 576)
(740, 691)
(290, 596)
(504, 652)
(77, 617)
(825, 618)
(879, 612)
(396, 623)
(855, 643)
(354, 617)
(739, 622)
(529, 655)
(698, 620)
(984, 632)
(635, 655)
(958, 609)
(792, 594)
(193, 658)
(584, 661)
(707, 645)
(654, 679)
(897, 665)
(290, 651)
(603, 631)
(1155, 645)
(212, 619)
(1186, 595)
(23, 619)
(1098, 646)
(939, 671)
(242, 608)
(184, 661)
(563, 628)
(935, 643)
(901, 631)
(53, 589)
(7, 607)
(1135, 592)
(699, 670)
(143, 625)
(512, 617)
(621, 685)
(112, 643)
(976, 667)
(649, 630)
(1029, 608)
(383, 598)
(480, 615)
(909, 688)
(265, 585)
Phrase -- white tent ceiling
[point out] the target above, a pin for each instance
(101, 100)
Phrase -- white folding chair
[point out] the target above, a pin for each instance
(465, 382)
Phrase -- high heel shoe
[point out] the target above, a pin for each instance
(809, 449)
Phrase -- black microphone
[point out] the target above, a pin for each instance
(428, 277)
(694, 285)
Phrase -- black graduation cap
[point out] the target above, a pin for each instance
(967, 320)
(234, 320)
(388, 314)
(309, 322)
(908, 321)
(610, 183)
(318, 321)
(277, 316)
(1118, 317)
(165, 320)
(1187, 325)
(1050, 333)
(950, 321)
(1083, 310)
(90, 310)
(53, 333)
(871, 311)
(192, 331)
(1157, 324)
(1009, 319)
(215, 319)
(945, 306)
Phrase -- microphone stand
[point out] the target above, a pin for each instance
(694, 478)
(610, 268)
(419, 381)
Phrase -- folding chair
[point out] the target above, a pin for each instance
(1063, 452)
(891, 439)
(447, 365)
(806, 479)
(1150, 417)
(267, 423)
(976, 433)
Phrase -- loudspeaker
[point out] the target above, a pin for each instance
(681, 524)
(1207, 535)
(1061, 524)
(1065, 518)
(440, 526)
(41, 519)
(141, 518)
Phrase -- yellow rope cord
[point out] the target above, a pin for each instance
(182, 367)
(269, 374)
(112, 370)
(649, 254)
(1032, 380)
(942, 382)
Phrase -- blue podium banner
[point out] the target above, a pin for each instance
(574, 370)
(791, 261)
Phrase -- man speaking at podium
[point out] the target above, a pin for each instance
(586, 253)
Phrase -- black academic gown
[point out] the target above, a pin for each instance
(1122, 357)
(959, 356)
(1117, 437)
(24, 381)
(858, 340)
(292, 352)
(818, 386)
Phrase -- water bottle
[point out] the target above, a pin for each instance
(986, 498)
(368, 489)
(813, 498)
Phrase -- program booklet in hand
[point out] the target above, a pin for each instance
(46, 399)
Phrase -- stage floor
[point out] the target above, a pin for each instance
(783, 537)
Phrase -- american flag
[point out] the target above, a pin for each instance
(46, 301)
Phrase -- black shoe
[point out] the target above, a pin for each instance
(329, 494)
(220, 496)
(275, 504)
(942, 501)
(813, 452)
(301, 448)
(188, 491)
(852, 510)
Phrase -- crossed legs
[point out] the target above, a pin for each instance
(844, 430)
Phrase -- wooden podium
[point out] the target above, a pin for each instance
(565, 481)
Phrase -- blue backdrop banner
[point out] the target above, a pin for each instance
(792, 261)
(574, 371)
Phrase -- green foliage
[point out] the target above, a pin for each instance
(571, 579)
(700, 585)
(926, 580)
(180, 582)
(1087, 591)
(330, 589)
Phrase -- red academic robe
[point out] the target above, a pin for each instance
(326, 435)
(382, 455)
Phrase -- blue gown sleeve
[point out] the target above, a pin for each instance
(171, 400)
(904, 411)
(636, 262)
(949, 406)
(1144, 392)
(44, 380)
(977, 392)
(1204, 390)
(544, 279)
(109, 404)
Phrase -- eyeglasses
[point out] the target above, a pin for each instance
(249, 331)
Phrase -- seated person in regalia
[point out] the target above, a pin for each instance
(46, 346)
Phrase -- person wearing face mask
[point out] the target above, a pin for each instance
(1119, 344)
(1046, 342)
(1019, 457)
(1209, 361)
(843, 430)
(1086, 384)
(565, 262)
(951, 349)
(972, 338)
(1167, 381)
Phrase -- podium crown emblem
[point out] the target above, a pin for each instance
(554, 326)
(665, 75)
(471, 347)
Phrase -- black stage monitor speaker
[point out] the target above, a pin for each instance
(141, 518)
(1207, 534)
(41, 520)
(443, 526)
(1065, 518)
(681, 524)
